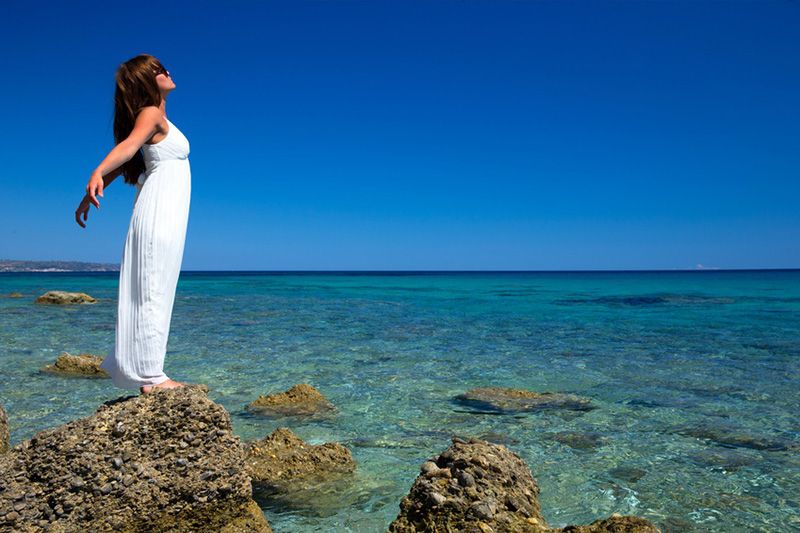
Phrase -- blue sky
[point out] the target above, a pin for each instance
(334, 135)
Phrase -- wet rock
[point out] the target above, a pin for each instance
(82, 476)
(284, 462)
(487, 488)
(82, 365)
(15, 295)
(4, 433)
(63, 297)
(507, 400)
(498, 477)
(301, 399)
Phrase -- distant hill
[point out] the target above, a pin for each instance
(12, 265)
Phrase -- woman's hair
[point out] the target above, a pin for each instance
(136, 88)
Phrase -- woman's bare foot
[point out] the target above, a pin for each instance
(169, 384)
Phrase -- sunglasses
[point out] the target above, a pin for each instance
(162, 70)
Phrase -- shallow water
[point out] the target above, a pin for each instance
(694, 375)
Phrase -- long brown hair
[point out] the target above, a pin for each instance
(136, 88)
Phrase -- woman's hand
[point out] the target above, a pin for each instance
(95, 186)
(83, 209)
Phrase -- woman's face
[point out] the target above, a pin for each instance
(164, 80)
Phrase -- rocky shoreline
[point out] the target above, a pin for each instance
(169, 461)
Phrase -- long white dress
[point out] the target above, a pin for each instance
(151, 263)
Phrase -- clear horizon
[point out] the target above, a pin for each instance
(410, 271)
(345, 136)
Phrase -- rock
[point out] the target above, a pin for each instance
(5, 435)
(614, 524)
(15, 295)
(502, 495)
(729, 459)
(301, 399)
(284, 462)
(728, 436)
(84, 476)
(488, 489)
(579, 440)
(629, 474)
(63, 297)
(519, 400)
(82, 365)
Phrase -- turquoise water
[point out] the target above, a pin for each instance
(694, 374)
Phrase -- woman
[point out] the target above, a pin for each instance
(152, 155)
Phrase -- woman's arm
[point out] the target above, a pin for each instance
(147, 123)
(111, 176)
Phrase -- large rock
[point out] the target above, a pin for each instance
(63, 297)
(509, 400)
(300, 400)
(282, 461)
(162, 461)
(82, 365)
(477, 486)
(471, 485)
(4, 433)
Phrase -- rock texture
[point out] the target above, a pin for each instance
(520, 400)
(301, 399)
(63, 297)
(163, 461)
(82, 365)
(4, 433)
(476, 486)
(471, 486)
(283, 461)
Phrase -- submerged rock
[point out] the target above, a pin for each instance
(723, 457)
(4, 433)
(82, 365)
(282, 461)
(15, 295)
(587, 441)
(519, 400)
(645, 300)
(63, 297)
(477, 486)
(301, 399)
(629, 474)
(615, 523)
(162, 461)
(734, 437)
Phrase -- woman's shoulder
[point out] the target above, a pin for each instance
(151, 116)
(149, 111)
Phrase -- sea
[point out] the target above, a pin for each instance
(693, 375)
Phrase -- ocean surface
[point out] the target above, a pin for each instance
(694, 376)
